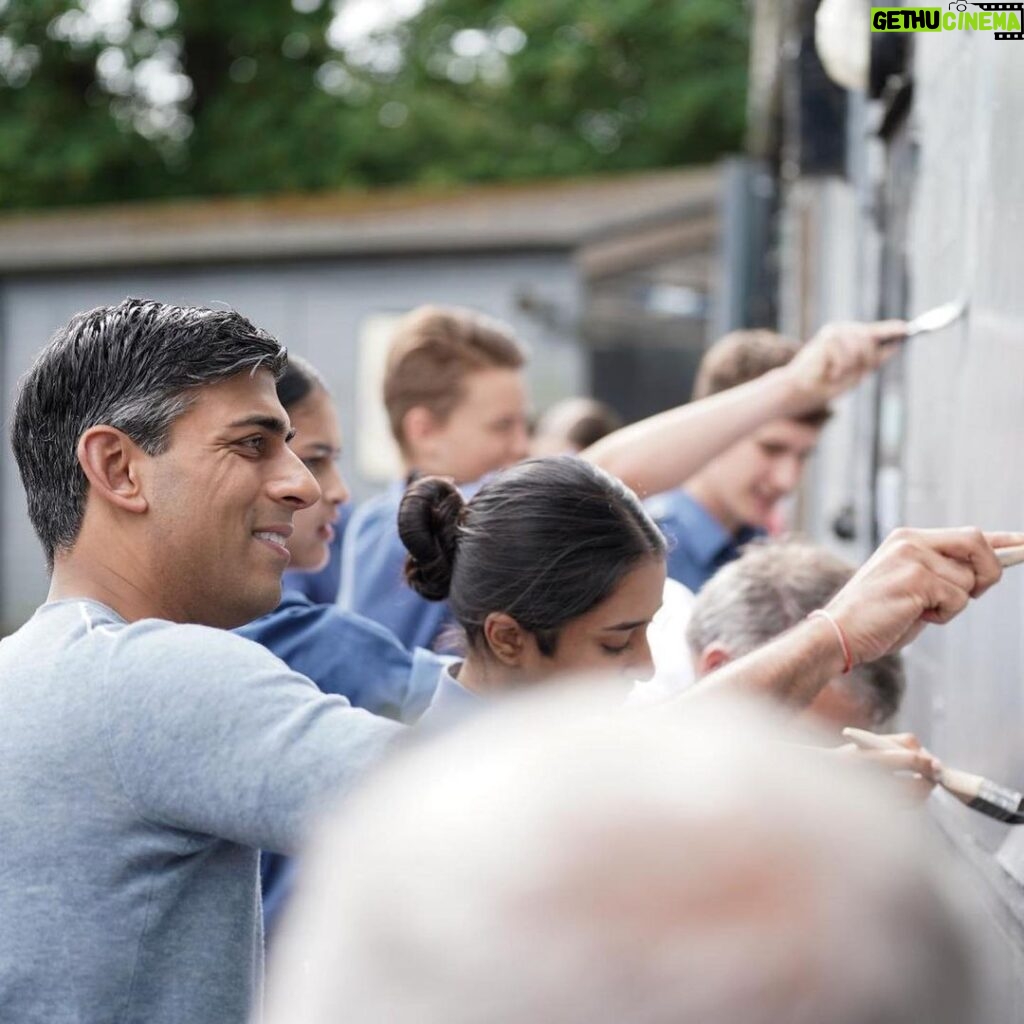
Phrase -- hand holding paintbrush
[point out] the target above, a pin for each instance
(977, 792)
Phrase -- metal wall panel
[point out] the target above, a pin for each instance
(965, 386)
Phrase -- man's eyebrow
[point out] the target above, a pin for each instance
(623, 626)
(273, 424)
(324, 449)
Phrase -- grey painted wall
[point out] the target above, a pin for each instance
(316, 308)
(952, 218)
(964, 395)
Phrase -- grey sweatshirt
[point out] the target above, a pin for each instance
(142, 766)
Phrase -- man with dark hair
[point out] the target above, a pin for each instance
(733, 498)
(147, 757)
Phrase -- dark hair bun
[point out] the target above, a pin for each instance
(429, 517)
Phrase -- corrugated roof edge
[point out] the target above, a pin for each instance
(552, 215)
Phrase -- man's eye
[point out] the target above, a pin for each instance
(317, 464)
(254, 444)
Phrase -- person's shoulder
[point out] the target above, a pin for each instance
(160, 648)
(664, 506)
(298, 616)
(294, 605)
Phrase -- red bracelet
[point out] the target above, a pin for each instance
(820, 613)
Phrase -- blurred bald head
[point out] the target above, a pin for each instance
(566, 861)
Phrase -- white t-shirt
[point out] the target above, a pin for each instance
(673, 667)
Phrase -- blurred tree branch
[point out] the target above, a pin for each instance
(259, 96)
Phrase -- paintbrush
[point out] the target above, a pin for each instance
(934, 320)
(977, 792)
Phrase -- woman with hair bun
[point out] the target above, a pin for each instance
(552, 568)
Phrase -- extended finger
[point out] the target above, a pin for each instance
(919, 762)
(885, 330)
(1004, 538)
(907, 740)
(968, 545)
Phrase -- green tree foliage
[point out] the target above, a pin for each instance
(260, 96)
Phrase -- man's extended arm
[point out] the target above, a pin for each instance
(914, 578)
(663, 451)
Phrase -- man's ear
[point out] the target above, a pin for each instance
(506, 638)
(713, 656)
(419, 425)
(111, 461)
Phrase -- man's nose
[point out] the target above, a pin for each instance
(294, 484)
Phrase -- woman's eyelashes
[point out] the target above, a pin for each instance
(614, 649)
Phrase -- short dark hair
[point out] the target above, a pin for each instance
(131, 366)
(545, 541)
(299, 380)
(743, 356)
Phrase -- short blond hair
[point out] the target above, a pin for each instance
(433, 350)
(743, 356)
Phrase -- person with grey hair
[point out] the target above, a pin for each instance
(566, 861)
(768, 590)
(148, 757)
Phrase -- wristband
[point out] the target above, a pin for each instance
(820, 613)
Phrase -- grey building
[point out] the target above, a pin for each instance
(603, 279)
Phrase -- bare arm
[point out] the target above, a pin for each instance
(663, 451)
(914, 578)
(792, 668)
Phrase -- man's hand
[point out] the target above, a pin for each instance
(915, 577)
(898, 754)
(838, 356)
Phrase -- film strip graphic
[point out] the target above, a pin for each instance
(1018, 7)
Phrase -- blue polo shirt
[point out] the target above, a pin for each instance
(699, 545)
(348, 655)
(373, 577)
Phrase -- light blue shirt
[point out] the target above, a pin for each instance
(699, 545)
(349, 655)
(144, 765)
